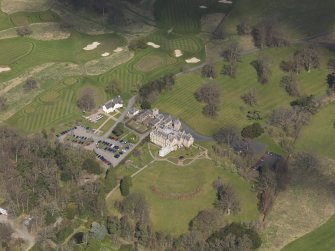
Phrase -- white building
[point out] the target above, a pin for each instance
(133, 112)
(112, 105)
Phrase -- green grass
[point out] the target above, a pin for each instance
(181, 101)
(172, 215)
(42, 113)
(22, 53)
(26, 18)
(321, 238)
(301, 18)
(319, 135)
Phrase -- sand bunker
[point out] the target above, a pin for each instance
(153, 45)
(118, 49)
(192, 60)
(225, 1)
(91, 46)
(4, 69)
(178, 53)
(106, 54)
(203, 7)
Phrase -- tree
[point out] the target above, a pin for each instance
(331, 64)
(3, 103)
(113, 225)
(98, 231)
(125, 185)
(142, 233)
(308, 57)
(231, 55)
(289, 83)
(291, 66)
(307, 103)
(226, 200)
(91, 166)
(252, 131)
(206, 222)
(227, 135)
(208, 71)
(236, 236)
(119, 129)
(243, 28)
(330, 82)
(137, 44)
(263, 70)
(249, 98)
(146, 105)
(113, 88)
(110, 180)
(208, 93)
(211, 110)
(6, 232)
(306, 160)
(135, 206)
(86, 101)
(126, 227)
(30, 85)
(267, 33)
(24, 31)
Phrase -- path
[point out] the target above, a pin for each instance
(131, 103)
(20, 231)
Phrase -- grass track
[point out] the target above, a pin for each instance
(321, 238)
(319, 135)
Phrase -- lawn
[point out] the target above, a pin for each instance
(181, 102)
(319, 135)
(177, 203)
(321, 238)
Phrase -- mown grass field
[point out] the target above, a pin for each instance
(319, 135)
(321, 238)
(54, 106)
(172, 215)
(182, 103)
(22, 53)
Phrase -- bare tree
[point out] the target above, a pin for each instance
(263, 70)
(250, 98)
(227, 200)
(24, 31)
(231, 55)
(289, 83)
(3, 103)
(208, 71)
(308, 57)
(243, 28)
(113, 88)
(86, 100)
(6, 232)
(30, 85)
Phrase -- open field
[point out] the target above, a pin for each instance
(306, 203)
(321, 238)
(172, 214)
(319, 135)
(182, 103)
